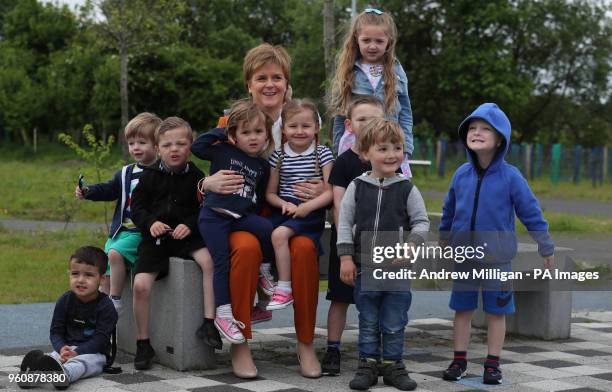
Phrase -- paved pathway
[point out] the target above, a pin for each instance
(28, 324)
(582, 363)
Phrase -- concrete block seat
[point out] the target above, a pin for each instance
(176, 314)
(543, 310)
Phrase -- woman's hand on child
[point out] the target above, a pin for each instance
(309, 189)
(301, 211)
(158, 229)
(549, 261)
(225, 182)
(348, 270)
(181, 231)
(79, 194)
(288, 208)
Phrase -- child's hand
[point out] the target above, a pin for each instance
(301, 211)
(288, 208)
(408, 260)
(66, 353)
(64, 349)
(79, 193)
(549, 261)
(181, 231)
(158, 229)
(348, 271)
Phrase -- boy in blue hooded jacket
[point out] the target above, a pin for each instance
(482, 200)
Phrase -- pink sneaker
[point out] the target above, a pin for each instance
(259, 315)
(228, 327)
(280, 300)
(267, 283)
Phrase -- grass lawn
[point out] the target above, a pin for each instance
(41, 186)
(34, 265)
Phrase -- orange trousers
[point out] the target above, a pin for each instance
(246, 257)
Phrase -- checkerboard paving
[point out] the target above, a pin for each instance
(582, 363)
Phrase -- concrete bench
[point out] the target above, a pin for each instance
(176, 314)
(543, 312)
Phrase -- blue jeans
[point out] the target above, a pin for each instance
(215, 228)
(383, 315)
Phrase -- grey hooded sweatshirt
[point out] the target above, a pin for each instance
(380, 207)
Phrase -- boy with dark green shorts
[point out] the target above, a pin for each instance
(124, 237)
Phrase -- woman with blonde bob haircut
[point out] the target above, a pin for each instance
(267, 71)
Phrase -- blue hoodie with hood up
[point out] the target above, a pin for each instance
(484, 202)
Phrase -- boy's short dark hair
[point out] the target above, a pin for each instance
(143, 125)
(362, 100)
(90, 255)
(171, 123)
(379, 130)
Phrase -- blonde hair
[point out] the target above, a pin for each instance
(379, 130)
(245, 111)
(342, 85)
(143, 125)
(171, 123)
(264, 54)
(358, 100)
(297, 106)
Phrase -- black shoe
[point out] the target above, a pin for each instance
(29, 364)
(492, 375)
(144, 355)
(366, 375)
(210, 335)
(397, 376)
(455, 371)
(48, 364)
(330, 365)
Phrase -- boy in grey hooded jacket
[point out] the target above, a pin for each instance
(376, 209)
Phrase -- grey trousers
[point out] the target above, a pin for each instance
(82, 366)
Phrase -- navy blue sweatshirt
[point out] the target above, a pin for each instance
(211, 146)
(85, 325)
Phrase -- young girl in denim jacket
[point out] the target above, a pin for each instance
(367, 66)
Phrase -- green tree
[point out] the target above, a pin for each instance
(128, 26)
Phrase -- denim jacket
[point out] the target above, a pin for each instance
(362, 86)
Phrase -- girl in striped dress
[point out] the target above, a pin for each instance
(300, 158)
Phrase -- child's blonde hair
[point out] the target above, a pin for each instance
(362, 100)
(245, 111)
(171, 123)
(143, 125)
(264, 54)
(345, 77)
(379, 130)
(296, 106)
